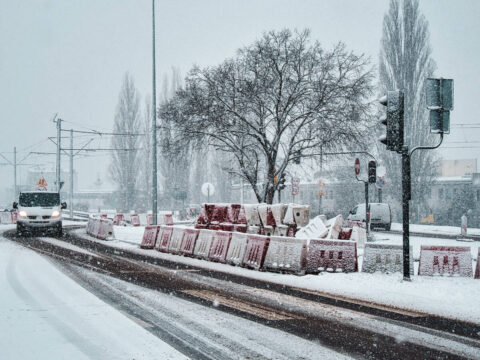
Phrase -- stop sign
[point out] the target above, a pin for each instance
(357, 166)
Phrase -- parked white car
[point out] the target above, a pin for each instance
(380, 215)
(39, 210)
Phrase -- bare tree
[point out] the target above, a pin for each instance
(124, 166)
(405, 63)
(275, 103)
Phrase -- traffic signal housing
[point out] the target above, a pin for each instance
(393, 120)
(372, 172)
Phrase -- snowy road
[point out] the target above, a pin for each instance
(46, 314)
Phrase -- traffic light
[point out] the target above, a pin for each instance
(439, 98)
(372, 172)
(281, 183)
(393, 120)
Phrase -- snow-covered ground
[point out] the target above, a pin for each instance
(453, 297)
(46, 315)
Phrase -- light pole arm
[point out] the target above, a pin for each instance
(428, 147)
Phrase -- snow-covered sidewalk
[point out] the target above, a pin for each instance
(455, 297)
(46, 315)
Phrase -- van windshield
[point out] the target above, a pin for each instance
(39, 199)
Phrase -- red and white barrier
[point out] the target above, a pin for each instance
(149, 219)
(189, 240)
(176, 240)
(334, 226)
(331, 255)
(219, 247)
(316, 229)
(5, 217)
(477, 268)
(445, 260)
(135, 219)
(385, 258)
(286, 254)
(105, 229)
(359, 235)
(117, 219)
(150, 236)
(256, 250)
(164, 237)
(204, 242)
(251, 214)
(143, 219)
(236, 250)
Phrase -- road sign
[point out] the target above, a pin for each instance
(357, 166)
(381, 182)
(208, 189)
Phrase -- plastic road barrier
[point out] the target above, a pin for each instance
(316, 229)
(5, 217)
(96, 227)
(165, 219)
(189, 239)
(286, 254)
(280, 230)
(219, 247)
(240, 228)
(149, 219)
(118, 218)
(262, 210)
(257, 246)
(331, 255)
(242, 217)
(103, 216)
(477, 268)
(143, 219)
(105, 229)
(251, 213)
(236, 250)
(278, 212)
(253, 229)
(359, 235)
(445, 260)
(204, 241)
(268, 230)
(135, 219)
(334, 227)
(164, 237)
(384, 258)
(150, 236)
(90, 224)
(345, 234)
(176, 240)
(301, 214)
(227, 226)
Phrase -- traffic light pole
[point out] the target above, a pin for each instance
(406, 211)
(367, 215)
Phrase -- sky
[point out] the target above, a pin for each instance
(69, 57)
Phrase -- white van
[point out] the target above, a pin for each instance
(380, 215)
(39, 210)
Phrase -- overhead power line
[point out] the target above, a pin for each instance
(101, 133)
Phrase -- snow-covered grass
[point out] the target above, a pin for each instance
(450, 297)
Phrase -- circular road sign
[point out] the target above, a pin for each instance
(208, 189)
(357, 166)
(381, 182)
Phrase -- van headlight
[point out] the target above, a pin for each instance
(55, 213)
(22, 213)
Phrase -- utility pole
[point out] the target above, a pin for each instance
(59, 137)
(15, 171)
(154, 125)
(71, 174)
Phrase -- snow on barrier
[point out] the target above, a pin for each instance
(384, 258)
(445, 260)
(359, 235)
(188, 244)
(135, 219)
(105, 229)
(477, 268)
(219, 247)
(204, 241)
(334, 227)
(117, 219)
(150, 236)
(331, 255)
(176, 240)
(5, 217)
(236, 250)
(286, 254)
(164, 237)
(315, 229)
(255, 252)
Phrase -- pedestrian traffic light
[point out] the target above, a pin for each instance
(281, 183)
(393, 120)
(372, 172)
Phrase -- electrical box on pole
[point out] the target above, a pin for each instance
(372, 172)
(393, 120)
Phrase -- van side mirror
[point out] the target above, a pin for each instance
(63, 205)
(15, 205)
